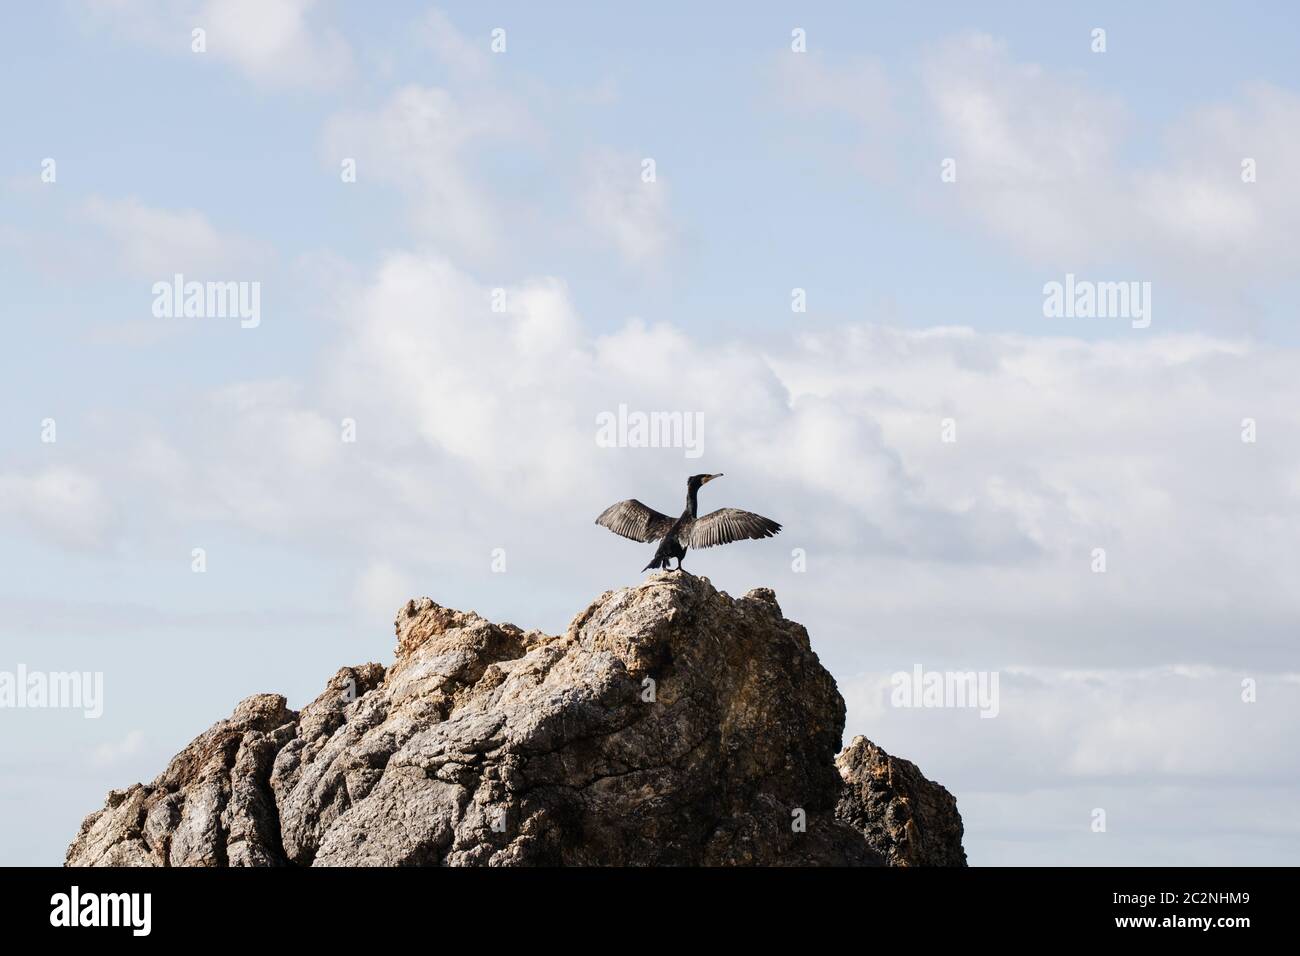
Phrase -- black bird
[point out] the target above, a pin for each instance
(639, 522)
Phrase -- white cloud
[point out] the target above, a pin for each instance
(1041, 163)
(627, 211)
(1054, 725)
(155, 243)
(64, 504)
(473, 423)
(1044, 161)
(279, 43)
(476, 385)
(476, 430)
(461, 55)
(1016, 124)
(275, 41)
(422, 141)
(1154, 747)
(1198, 203)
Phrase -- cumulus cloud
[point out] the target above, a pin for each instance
(422, 141)
(1186, 770)
(279, 43)
(475, 401)
(476, 429)
(473, 420)
(498, 392)
(1053, 726)
(276, 41)
(1044, 164)
(1041, 163)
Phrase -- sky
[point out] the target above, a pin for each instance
(826, 230)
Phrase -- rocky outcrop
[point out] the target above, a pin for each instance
(670, 725)
(907, 819)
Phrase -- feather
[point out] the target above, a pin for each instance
(634, 520)
(729, 524)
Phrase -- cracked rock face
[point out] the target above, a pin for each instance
(671, 724)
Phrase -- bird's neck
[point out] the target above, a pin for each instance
(690, 501)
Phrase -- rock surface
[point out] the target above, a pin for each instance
(907, 819)
(671, 724)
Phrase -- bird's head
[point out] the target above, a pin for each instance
(694, 482)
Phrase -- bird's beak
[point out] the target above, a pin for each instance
(710, 478)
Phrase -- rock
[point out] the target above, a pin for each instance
(909, 820)
(670, 725)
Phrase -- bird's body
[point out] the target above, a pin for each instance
(637, 521)
(671, 546)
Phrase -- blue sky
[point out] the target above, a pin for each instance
(775, 170)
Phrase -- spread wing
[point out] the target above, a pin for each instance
(634, 520)
(730, 524)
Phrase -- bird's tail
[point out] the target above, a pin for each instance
(658, 562)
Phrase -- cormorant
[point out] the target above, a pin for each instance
(639, 522)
